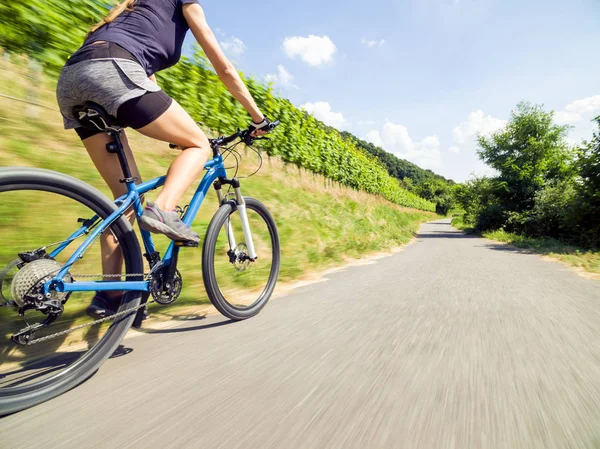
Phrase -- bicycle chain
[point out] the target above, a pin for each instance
(81, 326)
(127, 275)
(100, 320)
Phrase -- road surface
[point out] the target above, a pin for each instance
(456, 342)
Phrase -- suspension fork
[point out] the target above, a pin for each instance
(241, 207)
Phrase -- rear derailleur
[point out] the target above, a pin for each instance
(53, 308)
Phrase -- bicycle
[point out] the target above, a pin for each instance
(40, 279)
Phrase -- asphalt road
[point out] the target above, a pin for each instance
(455, 342)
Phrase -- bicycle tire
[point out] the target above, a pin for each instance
(24, 178)
(227, 309)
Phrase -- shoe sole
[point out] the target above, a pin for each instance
(98, 313)
(158, 227)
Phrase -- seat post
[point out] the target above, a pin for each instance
(116, 146)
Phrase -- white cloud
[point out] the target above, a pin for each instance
(373, 43)
(282, 77)
(374, 137)
(576, 111)
(567, 117)
(431, 142)
(396, 139)
(321, 110)
(366, 122)
(477, 123)
(314, 50)
(234, 46)
(454, 150)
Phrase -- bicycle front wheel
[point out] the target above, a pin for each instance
(41, 209)
(238, 287)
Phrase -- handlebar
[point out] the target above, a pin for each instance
(244, 136)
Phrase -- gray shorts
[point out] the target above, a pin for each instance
(108, 82)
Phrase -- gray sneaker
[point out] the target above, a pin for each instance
(156, 220)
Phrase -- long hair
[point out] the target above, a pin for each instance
(126, 5)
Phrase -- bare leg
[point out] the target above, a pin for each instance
(109, 168)
(176, 126)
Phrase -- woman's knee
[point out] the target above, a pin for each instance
(200, 151)
(195, 140)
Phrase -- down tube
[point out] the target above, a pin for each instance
(211, 176)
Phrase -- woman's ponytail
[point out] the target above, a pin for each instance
(127, 5)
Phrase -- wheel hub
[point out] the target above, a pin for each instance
(239, 257)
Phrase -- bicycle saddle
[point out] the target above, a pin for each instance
(91, 115)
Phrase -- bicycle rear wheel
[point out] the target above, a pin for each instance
(39, 208)
(237, 287)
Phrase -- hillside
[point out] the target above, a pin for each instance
(398, 168)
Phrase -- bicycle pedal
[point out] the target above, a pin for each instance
(187, 244)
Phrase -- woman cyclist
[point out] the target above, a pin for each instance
(115, 68)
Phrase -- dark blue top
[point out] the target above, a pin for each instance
(153, 32)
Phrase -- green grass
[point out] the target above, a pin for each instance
(321, 224)
(577, 257)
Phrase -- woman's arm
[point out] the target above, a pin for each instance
(226, 71)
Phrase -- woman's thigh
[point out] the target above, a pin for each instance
(176, 126)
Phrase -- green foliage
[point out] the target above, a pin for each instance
(50, 30)
(474, 197)
(543, 190)
(396, 167)
(528, 153)
(587, 208)
(439, 192)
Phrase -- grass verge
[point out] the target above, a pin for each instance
(586, 260)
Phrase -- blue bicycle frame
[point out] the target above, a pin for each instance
(215, 170)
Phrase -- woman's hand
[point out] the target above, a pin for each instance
(261, 128)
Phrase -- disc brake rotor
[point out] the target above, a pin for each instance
(242, 259)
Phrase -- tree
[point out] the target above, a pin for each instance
(588, 189)
(438, 192)
(528, 153)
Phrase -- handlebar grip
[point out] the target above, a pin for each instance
(274, 124)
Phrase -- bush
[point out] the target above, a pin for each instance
(587, 204)
(542, 189)
(491, 218)
(553, 211)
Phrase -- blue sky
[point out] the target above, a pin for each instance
(421, 77)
